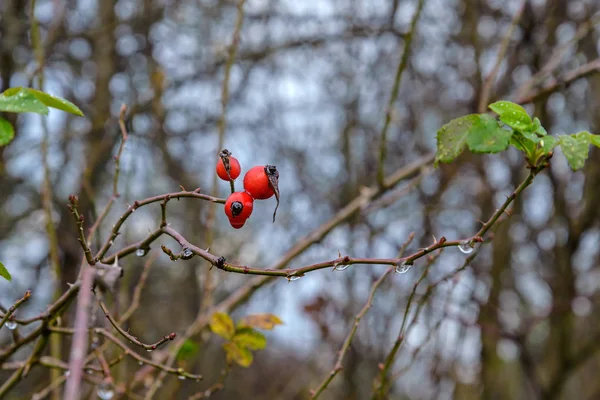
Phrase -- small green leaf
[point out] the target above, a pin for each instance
(4, 272)
(222, 325)
(512, 115)
(452, 138)
(595, 140)
(240, 355)
(486, 136)
(575, 149)
(548, 143)
(538, 128)
(7, 132)
(250, 338)
(260, 321)
(22, 101)
(188, 350)
(55, 102)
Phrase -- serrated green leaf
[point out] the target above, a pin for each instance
(548, 143)
(240, 355)
(261, 321)
(250, 338)
(575, 149)
(538, 128)
(7, 132)
(452, 138)
(486, 136)
(222, 325)
(22, 101)
(188, 350)
(55, 102)
(512, 115)
(4, 272)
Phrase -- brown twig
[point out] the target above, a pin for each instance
(131, 338)
(11, 310)
(563, 81)
(115, 193)
(73, 207)
(394, 94)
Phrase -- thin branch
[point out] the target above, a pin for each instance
(209, 284)
(137, 204)
(394, 94)
(137, 292)
(130, 337)
(73, 207)
(491, 78)
(346, 345)
(53, 385)
(26, 367)
(11, 310)
(563, 81)
(379, 391)
(115, 193)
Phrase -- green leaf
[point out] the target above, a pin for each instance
(452, 138)
(250, 338)
(512, 115)
(538, 128)
(260, 321)
(222, 325)
(576, 149)
(22, 101)
(188, 350)
(7, 133)
(595, 140)
(4, 272)
(240, 355)
(486, 136)
(548, 143)
(55, 102)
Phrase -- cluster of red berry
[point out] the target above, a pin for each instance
(260, 183)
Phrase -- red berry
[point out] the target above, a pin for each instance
(234, 169)
(256, 183)
(238, 208)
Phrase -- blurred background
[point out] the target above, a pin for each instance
(309, 89)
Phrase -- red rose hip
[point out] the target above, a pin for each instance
(234, 169)
(238, 208)
(256, 182)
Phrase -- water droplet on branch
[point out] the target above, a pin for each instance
(466, 247)
(12, 325)
(402, 268)
(141, 252)
(105, 391)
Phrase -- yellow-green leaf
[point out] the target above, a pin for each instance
(22, 101)
(250, 338)
(222, 325)
(55, 102)
(576, 149)
(4, 272)
(260, 321)
(7, 132)
(240, 355)
(548, 143)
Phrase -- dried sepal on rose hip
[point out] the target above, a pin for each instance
(262, 182)
(238, 208)
(228, 166)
